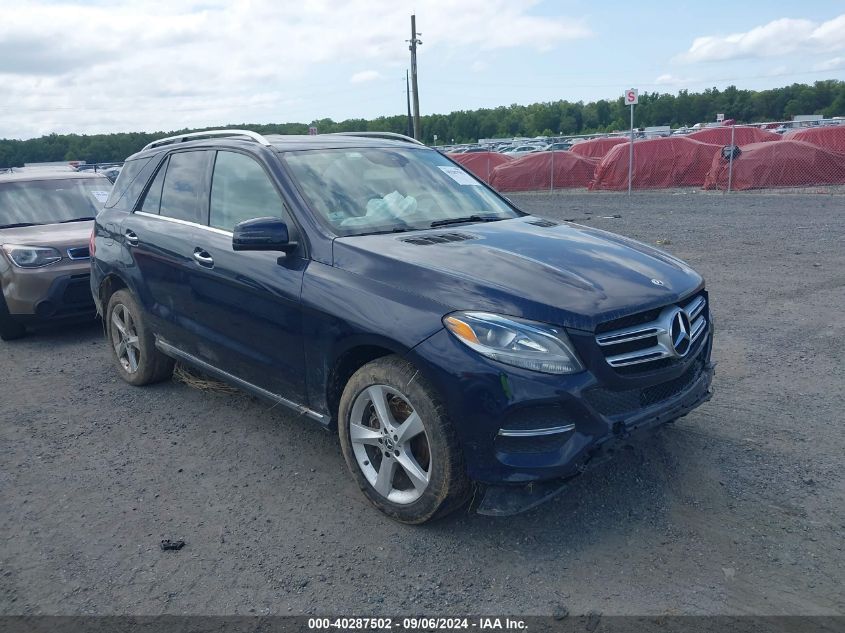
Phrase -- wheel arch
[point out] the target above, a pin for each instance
(347, 363)
(110, 284)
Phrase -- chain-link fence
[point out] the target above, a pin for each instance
(724, 158)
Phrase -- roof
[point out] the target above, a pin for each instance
(30, 174)
(285, 143)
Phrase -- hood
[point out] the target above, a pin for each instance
(59, 236)
(564, 274)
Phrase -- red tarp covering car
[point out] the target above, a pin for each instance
(597, 147)
(675, 161)
(832, 138)
(481, 164)
(742, 135)
(534, 171)
(788, 163)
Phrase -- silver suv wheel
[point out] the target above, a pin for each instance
(124, 337)
(390, 444)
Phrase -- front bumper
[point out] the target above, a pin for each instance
(46, 294)
(599, 407)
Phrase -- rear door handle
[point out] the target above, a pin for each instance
(203, 258)
(131, 237)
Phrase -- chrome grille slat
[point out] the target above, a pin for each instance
(698, 327)
(664, 337)
(694, 308)
(641, 356)
(629, 334)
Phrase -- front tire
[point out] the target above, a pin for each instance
(399, 444)
(9, 328)
(132, 344)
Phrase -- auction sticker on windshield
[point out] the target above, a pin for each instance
(101, 196)
(459, 175)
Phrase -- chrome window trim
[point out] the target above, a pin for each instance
(553, 430)
(184, 223)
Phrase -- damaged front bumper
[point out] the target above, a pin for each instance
(507, 500)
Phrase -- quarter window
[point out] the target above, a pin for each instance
(152, 201)
(183, 194)
(241, 190)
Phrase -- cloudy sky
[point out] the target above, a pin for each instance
(131, 65)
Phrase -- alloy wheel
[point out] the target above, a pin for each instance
(124, 338)
(390, 444)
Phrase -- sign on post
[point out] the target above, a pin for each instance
(312, 131)
(720, 117)
(632, 98)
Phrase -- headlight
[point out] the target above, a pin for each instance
(32, 256)
(516, 342)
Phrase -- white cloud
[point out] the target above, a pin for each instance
(164, 64)
(667, 79)
(779, 37)
(835, 63)
(364, 76)
(478, 66)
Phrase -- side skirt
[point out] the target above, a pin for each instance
(178, 354)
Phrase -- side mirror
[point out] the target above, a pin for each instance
(262, 234)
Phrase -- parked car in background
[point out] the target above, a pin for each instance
(371, 284)
(46, 217)
(556, 147)
(520, 150)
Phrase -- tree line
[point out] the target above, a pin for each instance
(548, 119)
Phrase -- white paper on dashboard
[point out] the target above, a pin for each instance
(459, 175)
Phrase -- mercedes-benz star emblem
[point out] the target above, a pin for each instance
(657, 282)
(680, 332)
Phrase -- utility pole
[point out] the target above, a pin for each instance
(408, 97)
(413, 48)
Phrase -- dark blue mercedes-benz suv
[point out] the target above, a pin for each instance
(368, 282)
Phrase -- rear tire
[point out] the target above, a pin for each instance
(132, 344)
(399, 444)
(9, 328)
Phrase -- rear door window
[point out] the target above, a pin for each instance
(184, 194)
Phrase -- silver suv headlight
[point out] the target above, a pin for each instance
(516, 342)
(32, 256)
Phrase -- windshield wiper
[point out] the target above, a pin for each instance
(75, 220)
(394, 230)
(469, 218)
(19, 225)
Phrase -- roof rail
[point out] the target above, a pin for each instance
(181, 138)
(385, 135)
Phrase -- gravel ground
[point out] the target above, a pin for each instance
(738, 508)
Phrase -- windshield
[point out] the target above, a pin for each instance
(371, 190)
(51, 201)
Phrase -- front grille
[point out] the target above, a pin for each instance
(77, 292)
(79, 253)
(654, 339)
(629, 401)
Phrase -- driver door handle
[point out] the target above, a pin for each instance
(203, 258)
(131, 238)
